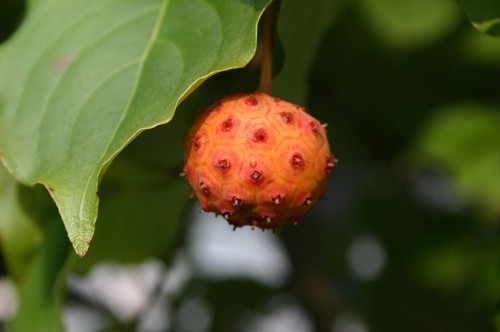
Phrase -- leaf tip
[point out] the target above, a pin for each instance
(79, 218)
(81, 244)
(81, 248)
(81, 254)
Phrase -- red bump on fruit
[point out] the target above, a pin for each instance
(236, 201)
(260, 135)
(204, 188)
(255, 176)
(314, 127)
(287, 117)
(223, 165)
(297, 161)
(227, 124)
(255, 168)
(251, 101)
(277, 199)
(195, 142)
(330, 163)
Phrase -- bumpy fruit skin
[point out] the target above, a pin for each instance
(257, 160)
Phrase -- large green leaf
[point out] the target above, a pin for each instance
(82, 78)
(41, 290)
(410, 23)
(301, 28)
(484, 14)
(19, 234)
(127, 233)
(464, 140)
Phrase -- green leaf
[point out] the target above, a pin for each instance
(480, 48)
(145, 175)
(19, 234)
(448, 266)
(129, 234)
(410, 23)
(484, 14)
(300, 29)
(464, 140)
(82, 78)
(41, 291)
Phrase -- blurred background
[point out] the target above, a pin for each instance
(406, 239)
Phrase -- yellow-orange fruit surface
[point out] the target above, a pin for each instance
(257, 160)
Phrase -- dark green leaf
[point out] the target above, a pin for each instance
(19, 234)
(300, 29)
(410, 23)
(465, 140)
(41, 291)
(484, 14)
(141, 214)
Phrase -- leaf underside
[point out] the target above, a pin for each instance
(484, 14)
(82, 78)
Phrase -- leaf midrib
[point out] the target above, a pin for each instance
(47, 49)
(75, 60)
(154, 36)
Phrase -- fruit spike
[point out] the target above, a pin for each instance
(256, 175)
(330, 163)
(256, 160)
(252, 100)
(204, 187)
(287, 117)
(227, 124)
(260, 135)
(236, 201)
(224, 165)
(277, 200)
(315, 127)
(196, 142)
(297, 161)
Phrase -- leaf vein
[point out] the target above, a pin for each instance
(75, 61)
(49, 46)
(154, 36)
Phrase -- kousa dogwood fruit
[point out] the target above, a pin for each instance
(257, 160)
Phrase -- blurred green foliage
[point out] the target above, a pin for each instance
(410, 23)
(465, 141)
(484, 14)
(410, 92)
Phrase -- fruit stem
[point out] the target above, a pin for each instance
(266, 69)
